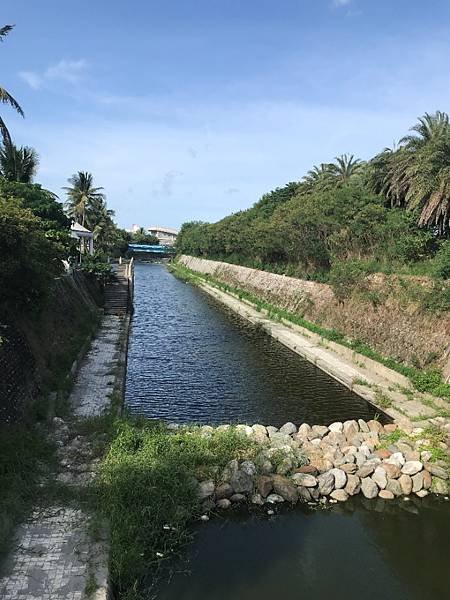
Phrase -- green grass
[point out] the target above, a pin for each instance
(146, 490)
(382, 399)
(25, 455)
(424, 381)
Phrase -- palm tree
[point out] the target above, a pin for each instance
(18, 164)
(83, 198)
(417, 175)
(5, 97)
(319, 177)
(345, 168)
(430, 128)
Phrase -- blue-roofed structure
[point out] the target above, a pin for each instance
(150, 250)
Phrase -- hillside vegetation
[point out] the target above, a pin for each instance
(349, 218)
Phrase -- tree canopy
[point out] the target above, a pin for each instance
(393, 210)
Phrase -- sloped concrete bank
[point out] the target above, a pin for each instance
(383, 316)
(386, 389)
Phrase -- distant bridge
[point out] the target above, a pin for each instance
(150, 250)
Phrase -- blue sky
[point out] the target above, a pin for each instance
(192, 109)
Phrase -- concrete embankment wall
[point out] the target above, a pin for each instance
(395, 328)
(37, 348)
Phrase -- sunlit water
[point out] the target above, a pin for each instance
(191, 360)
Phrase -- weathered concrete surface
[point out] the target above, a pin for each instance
(54, 556)
(395, 325)
(95, 379)
(351, 369)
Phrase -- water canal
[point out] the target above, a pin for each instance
(191, 360)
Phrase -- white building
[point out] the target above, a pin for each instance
(166, 235)
(84, 237)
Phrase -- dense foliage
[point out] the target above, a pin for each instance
(30, 257)
(391, 213)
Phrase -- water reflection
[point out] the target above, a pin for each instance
(191, 360)
(370, 550)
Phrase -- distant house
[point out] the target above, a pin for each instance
(84, 236)
(166, 235)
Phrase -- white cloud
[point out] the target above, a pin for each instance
(341, 2)
(68, 71)
(34, 80)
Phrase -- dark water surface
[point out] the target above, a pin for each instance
(359, 550)
(191, 360)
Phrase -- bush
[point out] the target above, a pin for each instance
(96, 267)
(151, 472)
(30, 258)
(344, 277)
(442, 260)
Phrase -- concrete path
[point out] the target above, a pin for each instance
(54, 556)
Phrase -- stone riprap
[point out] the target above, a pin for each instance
(328, 464)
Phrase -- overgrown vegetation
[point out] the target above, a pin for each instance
(348, 219)
(148, 493)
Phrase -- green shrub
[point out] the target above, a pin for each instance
(442, 260)
(345, 276)
(149, 494)
(96, 267)
(31, 258)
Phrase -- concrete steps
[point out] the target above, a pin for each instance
(116, 294)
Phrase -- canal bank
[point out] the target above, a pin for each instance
(61, 550)
(386, 389)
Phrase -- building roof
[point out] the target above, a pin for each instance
(163, 229)
(77, 227)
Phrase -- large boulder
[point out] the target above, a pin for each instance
(205, 489)
(304, 479)
(325, 483)
(288, 428)
(264, 485)
(285, 488)
(411, 467)
(241, 482)
(369, 488)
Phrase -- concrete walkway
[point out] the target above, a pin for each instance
(54, 556)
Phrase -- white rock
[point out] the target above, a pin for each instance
(411, 467)
(340, 478)
(396, 458)
(380, 477)
(244, 429)
(274, 498)
(288, 428)
(369, 488)
(340, 495)
(337, 427)
(248, 467)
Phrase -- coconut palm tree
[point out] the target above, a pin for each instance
(417, 175)
(18, 164)
(345, 167)
(83, 198)
(319, 177)
(5, 96)
(430, 128)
